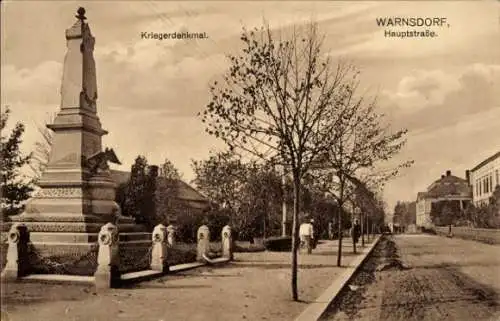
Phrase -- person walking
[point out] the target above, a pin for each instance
(355, 233)
(306, 233)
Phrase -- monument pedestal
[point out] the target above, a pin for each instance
(77, 195)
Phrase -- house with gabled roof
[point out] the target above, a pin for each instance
(188, 201)
(448, 188)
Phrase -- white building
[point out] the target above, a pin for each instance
(484, 178)
(448, 188)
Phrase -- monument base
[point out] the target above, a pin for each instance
(68, 243)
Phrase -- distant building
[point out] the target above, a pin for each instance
(188, 200)
(484, 178)
(447, 188)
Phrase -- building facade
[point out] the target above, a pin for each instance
(447, 188)
(483, 179)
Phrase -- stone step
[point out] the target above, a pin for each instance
(185, 266)
(78, 227)
(140, 276)
(64, 244)
(59, 278)
(63, 237)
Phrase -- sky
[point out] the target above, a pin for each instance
(445, 90)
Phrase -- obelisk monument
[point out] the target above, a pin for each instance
(77, 194)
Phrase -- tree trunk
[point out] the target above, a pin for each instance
(339, 252)
(264, 233)
(368, 225)
(295, 234)
(283, 205)
(362, 219)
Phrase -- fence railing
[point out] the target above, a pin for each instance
(491, 236)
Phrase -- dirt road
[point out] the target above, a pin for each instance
(423, 277)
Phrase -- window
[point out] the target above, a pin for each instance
(491, 182)
(498, 177)
(480, 188)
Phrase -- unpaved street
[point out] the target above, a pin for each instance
(423, 277)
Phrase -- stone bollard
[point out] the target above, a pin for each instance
(17, 264)
(160, 248)
(203, 242)
(227, 242)
(171, 235)
(107, 274)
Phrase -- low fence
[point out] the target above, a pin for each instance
(111, 257)
(490, 236)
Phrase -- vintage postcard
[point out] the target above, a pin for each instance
(250, 160)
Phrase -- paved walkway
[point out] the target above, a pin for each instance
(254, 287)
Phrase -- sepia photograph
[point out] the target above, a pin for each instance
(250, 160)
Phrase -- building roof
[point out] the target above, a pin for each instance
(183, 190)
(421, 195)
(486, 161)
(448, 186)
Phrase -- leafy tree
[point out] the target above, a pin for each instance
(135, 189)
(244, 192)
(405, 213)
(262, 189)
(166, 192)
(494, 208)
(364, 198)
(14, 188)
(148, 204)
(169, 171)
(222, 178)
(485, 215)
(445, 212)
(278, 103)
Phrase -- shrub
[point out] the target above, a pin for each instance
(181, 253)
(429, 230)
(279, 244)
(246, 247)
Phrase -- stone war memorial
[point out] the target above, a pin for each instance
(76, 199)
(72, 228)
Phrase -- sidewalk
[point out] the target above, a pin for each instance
(256, 286)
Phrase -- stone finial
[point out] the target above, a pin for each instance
(171, 235)
(227, 242)
(159, 234)
(17, 264)
(108, 259)
(159, 251)
(108, 235)
(203, 242)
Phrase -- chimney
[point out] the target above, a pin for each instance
(442, 176)
(467, 176)
(448, 173)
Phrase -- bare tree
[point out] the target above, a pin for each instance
(278, 102)
(359, 143)
(42, 148)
